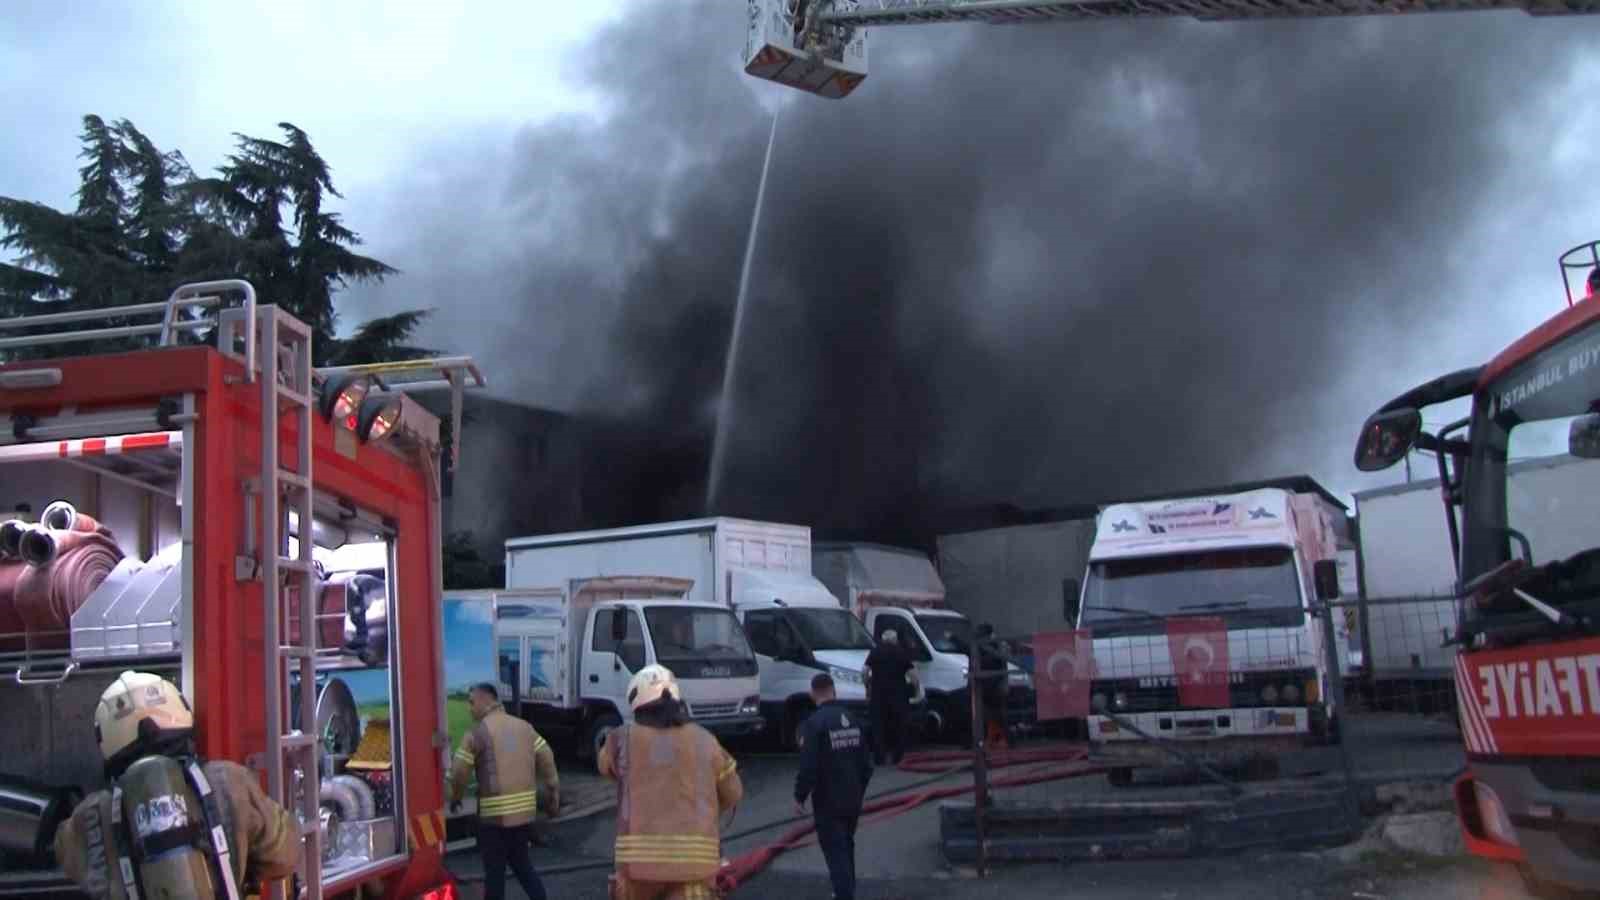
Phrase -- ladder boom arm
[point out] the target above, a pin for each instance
(1013, 12)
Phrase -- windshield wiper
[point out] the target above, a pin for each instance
(1508, 578)
(1216, 604)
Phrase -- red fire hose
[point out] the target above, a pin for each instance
(1046, 764)
(10, 622)
(45, 597)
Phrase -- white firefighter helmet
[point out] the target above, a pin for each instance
(131, 700)
(651, 684)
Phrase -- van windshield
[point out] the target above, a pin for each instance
(1254, 587)
(829, 629)
(947, 634)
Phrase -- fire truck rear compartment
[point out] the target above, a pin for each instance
(52, 672)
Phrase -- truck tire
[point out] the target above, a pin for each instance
(1120, 777)
(603, 724)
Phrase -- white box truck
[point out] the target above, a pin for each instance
(1014, 577)
(759, 570)
(1246, 558)
(562, 655)
(895, 587)
(1408, 573)
(1407, 585)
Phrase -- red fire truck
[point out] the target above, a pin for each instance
(167, 510)
(1521, 488)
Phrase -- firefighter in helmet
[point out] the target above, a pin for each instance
(168, 825)
(674, 781)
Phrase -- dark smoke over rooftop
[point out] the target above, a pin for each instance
(1038, 264)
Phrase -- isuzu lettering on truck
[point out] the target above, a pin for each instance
(1246, 559)
(1522, 485)
(174, 503)
(759, 570)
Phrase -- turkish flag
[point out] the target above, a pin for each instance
(1063, 665)
(1199, 648)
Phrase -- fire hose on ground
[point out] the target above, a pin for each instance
(1046, 764)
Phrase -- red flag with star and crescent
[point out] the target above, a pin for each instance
(1063, 667)
(1199, 648)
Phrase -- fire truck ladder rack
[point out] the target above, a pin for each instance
(140, 447)
(287, 391)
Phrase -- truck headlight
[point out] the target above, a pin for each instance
(844, 675)
(1120, 701)
(750, 706)
(1098, 701)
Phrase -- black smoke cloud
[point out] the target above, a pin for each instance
(1042, 264)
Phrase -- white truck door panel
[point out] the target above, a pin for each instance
(608, 664)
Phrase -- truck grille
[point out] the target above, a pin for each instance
(1152, 694)
(713, 710)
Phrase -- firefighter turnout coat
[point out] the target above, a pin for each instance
(513, 765)
(673, 786)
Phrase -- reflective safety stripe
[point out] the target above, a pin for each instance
(465, 756)
(727, 770)
(539, 744)
(508, 804)
(668, 848)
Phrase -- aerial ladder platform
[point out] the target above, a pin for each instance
(820, 46)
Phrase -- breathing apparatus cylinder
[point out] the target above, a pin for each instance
(165, 833)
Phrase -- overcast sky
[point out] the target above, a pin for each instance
(1034, 264)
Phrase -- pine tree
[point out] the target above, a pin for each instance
(145, 224)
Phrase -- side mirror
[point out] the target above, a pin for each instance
(619, 626)
(1326, 574)
(1583, 437)
(1069, 600)
(1386, 438)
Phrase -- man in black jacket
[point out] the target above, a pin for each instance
(835, 766)
(889, 697)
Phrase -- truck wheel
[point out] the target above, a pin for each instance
(603, 725)
(794, 720)
(1120, 777)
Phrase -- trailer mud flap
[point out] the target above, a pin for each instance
(1144, 829)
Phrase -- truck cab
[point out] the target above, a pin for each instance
(798, 629)
(565, 655)
(1246, 559)
(1524, 532)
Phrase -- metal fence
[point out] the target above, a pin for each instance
(1399, 657)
